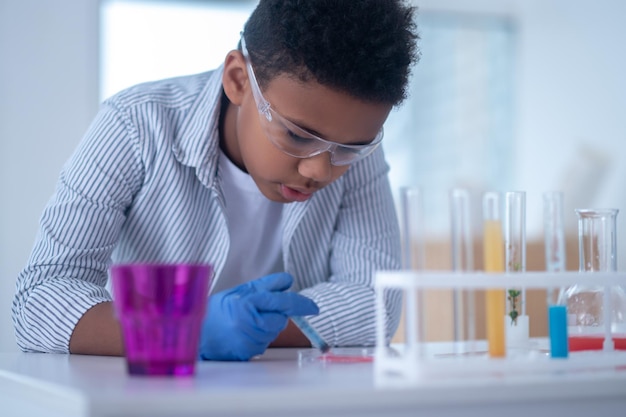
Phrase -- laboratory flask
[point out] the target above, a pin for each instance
(597, 252)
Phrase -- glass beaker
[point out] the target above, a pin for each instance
(597, 250)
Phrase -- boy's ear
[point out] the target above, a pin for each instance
(235, 77)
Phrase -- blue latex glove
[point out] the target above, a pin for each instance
(241, 322)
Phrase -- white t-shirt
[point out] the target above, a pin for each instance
(254, 226)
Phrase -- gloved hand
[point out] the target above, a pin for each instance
(241, 322)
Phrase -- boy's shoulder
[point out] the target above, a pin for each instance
(169, 92)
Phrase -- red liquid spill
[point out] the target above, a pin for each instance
(577, 343)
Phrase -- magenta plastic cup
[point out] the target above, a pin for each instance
(160, 308)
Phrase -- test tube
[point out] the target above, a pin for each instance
(493, 255)
(517, 332)
(554, 244)
(462, 261)
(554, 231)
(412, 206)
(412, 203)
(462, 240)
(515, 245)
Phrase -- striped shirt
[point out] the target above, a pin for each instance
(144, 186)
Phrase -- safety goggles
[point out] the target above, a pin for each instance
(294, 140)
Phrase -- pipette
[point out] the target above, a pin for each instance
(310, 333)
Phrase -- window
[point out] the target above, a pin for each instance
(150, 40)
(456, 128)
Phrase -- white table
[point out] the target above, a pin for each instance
(276, 385)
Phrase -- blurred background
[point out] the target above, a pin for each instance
(509, 95)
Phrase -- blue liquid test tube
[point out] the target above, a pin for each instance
(554, 236)
(310, 333)
(557, 323)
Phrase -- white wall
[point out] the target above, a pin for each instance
(571, 93)
(572, 104)
(48, 96)
(570, 125)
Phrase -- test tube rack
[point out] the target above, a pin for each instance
(416, 360)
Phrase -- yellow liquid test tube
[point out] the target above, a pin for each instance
(493, 258)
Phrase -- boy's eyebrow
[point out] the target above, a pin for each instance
(304, 127)
(316, 133)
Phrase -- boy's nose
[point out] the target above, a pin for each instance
(318, 167)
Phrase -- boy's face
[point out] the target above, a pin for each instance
(317, 109)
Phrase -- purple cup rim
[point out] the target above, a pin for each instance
(161, 265)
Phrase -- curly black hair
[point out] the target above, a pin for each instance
(364, 48)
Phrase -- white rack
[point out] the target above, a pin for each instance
(416, 360)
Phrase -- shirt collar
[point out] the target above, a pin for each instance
(197, 142)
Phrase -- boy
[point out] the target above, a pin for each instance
(269, 166)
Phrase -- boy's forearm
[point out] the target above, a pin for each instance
(98, 333)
